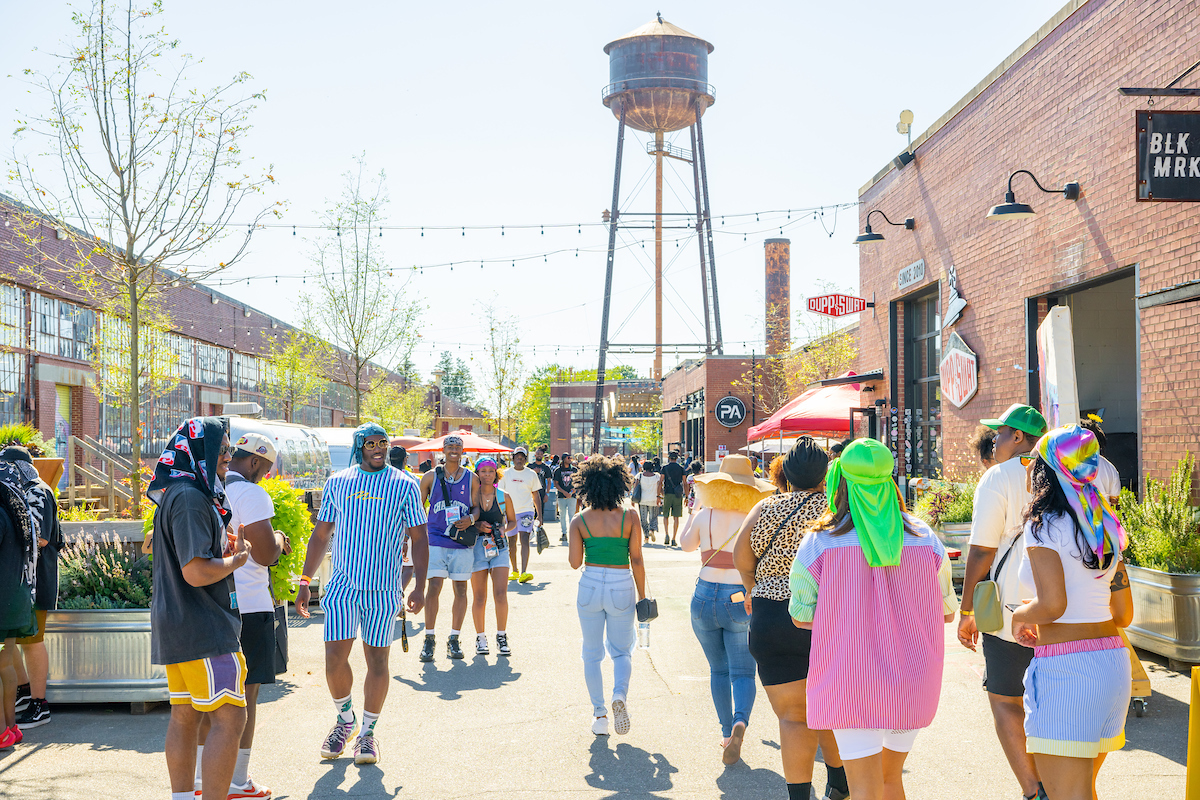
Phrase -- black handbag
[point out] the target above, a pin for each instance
(647, 609)
(464, 536)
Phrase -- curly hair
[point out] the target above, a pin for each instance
(983, 442)
(602, 483)
(1049, 500)
(1089, 424)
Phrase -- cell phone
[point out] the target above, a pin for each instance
(738, 597)
(1012, 606)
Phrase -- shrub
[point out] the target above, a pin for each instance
(28, 437)
(102, 574)
(1162, 528)
(291, 517)
(947, 504)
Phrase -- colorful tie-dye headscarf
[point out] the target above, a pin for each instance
(1074, 455)
(360, 437)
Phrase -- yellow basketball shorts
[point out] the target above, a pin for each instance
(207, 684)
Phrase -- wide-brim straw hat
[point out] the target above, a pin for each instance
(736, 469)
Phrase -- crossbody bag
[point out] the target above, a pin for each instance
(465, 536)
(989, 613)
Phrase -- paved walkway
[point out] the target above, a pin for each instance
(518, 727)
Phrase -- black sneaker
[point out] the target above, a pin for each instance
(481, 645)
(452, 649)
(427, 648)
(563, 540)
(37, 713)
(502, 644)
(24, 696)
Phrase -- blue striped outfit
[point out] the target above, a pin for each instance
(371, 513)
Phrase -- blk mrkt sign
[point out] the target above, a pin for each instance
(959, 372)
(1168, 155)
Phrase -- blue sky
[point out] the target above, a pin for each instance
(490, 114)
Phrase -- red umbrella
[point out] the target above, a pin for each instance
(822, 409)
(472, 443)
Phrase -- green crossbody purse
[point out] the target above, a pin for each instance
(989, 611)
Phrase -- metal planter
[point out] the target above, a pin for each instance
(1166, 614)
(102, 656)
(956, 535)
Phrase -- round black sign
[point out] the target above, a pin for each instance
(730, 411)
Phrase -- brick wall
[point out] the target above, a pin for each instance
(718, 376)
(1056, 112)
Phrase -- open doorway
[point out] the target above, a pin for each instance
(1104, 326)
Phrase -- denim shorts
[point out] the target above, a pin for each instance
(484, 563)
(454, 563)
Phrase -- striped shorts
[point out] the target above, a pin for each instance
(347, 609)
(1077, 697)
(206, 684)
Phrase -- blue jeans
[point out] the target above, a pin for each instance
(607, 600)
(723, 628)
(566, 511)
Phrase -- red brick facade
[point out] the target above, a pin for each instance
(716, 377)
(1055, 111)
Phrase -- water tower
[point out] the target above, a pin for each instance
(658, 83)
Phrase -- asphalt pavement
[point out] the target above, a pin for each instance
(489, 726)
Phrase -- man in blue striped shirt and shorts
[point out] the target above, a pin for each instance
(372, 508)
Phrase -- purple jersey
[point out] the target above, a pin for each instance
(459, 502)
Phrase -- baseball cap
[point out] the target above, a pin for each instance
(256, 445)
(522, 450)
(1022, 417)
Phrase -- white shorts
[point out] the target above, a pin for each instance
(863, 742)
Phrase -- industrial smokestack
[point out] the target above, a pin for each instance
(778, 312)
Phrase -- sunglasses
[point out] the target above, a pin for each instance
(376, 445)
(1027, 459)
(225, 450)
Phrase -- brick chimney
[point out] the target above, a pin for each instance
(778, 312)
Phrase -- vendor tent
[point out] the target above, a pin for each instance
(472, 443)
(820, 410)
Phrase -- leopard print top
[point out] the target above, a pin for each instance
(772, 573)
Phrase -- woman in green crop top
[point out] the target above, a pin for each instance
(606, 541)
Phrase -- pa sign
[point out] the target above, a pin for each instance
(730, 411)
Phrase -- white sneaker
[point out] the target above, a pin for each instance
(481, 644)
(620, 716)
(600, 726)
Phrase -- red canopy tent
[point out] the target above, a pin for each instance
(472, 443)
(823, 409)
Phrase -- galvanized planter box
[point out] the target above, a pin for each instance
(121, 530)
(102, 656)
(1166, 614)
(956, 535)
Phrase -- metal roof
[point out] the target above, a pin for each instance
(658, 27)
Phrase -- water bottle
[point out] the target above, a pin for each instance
(644, 635)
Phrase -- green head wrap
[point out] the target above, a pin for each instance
(867, 467)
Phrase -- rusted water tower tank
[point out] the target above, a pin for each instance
(659, 75)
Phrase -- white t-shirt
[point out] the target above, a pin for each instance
(1000, 501)
(649, 488)
(1088, 592)
(1108, 480)
(520, 484)
(250, 503)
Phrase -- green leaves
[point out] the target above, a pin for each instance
(291, 517)
(1162, 528)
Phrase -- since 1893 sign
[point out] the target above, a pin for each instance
(959, 372)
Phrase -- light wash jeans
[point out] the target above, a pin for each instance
(607, 599)
(566, 512)
(723, 628)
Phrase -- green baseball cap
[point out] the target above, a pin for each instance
(1022, 417)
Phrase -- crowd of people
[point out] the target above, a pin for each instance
(817, 583)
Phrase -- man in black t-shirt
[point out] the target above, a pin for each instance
(545, 475)
(672, 483)
(563, 477)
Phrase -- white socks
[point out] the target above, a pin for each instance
(454, 633)
(184, 795)
(345, 708)
(199, 761)
(368, 725)
(502, 633)
(242, 767)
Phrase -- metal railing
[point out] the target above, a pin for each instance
(669, 150)
(633, 84)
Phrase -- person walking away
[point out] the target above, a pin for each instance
(763, 554)
(453, 499)
(605, 541)
(994, 553)
(870, 581)
(18, 576)
(31, 661)
(496, 519)
(719, 616)
(194, 621)
(651, 499)
(563, 476)
(695, 470)
(252, 512)
(672, 493)
(1077, 688)
(520, 484)
(545, 475)
(373, 508)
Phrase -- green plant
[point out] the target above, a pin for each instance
(1163, 528)
(947, 504)
(102, 574)
(28, 437)
(79, 513)
(291, 517)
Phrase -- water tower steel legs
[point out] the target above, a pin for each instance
(700, 241)
(712, 257)
(658, 278)
(598, 408)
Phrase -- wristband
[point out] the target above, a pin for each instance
(966, 613)
(305, 580)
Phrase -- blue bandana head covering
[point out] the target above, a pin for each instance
(360, 436)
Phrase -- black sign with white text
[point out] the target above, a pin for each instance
(730, 411)
(1168, 155)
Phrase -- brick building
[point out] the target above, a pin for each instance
(52, 338)
(691, 395)
(626, 403)
(1052, 108)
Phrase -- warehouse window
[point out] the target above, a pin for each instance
(63, 329)
(923, 397)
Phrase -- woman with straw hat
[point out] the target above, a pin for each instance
(873, 585)
(719, 617)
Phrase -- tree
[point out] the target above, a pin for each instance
(534, 406)
(398, 409)
(158, 360)
(647, 437)
(504, 365)
(298, 367)
(457, 382)
(354, 305)
(147, 169)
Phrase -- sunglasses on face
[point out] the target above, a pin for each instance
(226, 450)
(375, 445)
(1027, 459)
